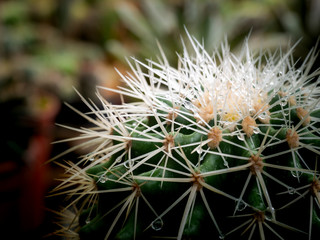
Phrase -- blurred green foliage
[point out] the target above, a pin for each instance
(126, 28)
(48, 44)
(123, 28)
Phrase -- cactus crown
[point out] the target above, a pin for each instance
(217, 146)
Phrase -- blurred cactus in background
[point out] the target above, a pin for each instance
(224, 146)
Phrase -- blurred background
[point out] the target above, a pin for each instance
(50, 47)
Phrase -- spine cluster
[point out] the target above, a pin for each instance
(223, 145)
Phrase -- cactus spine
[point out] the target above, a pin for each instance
(223, 146)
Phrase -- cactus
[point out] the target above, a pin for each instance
(224, 146)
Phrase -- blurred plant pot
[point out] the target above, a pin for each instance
(23, 182)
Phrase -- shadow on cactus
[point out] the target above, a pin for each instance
(223, 146)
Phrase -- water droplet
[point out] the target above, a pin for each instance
(102, 179)
(157, 224)
(128, 164)
(263, 116)
(269, 213)
(225, 163)
(90, 158)
(252, 111)
(256, 130)
(222, 236)
(241, 206)
(199, 150)
(296, 174)
(240, 137)
(283, 101)
(291, 190)
(268, 216)
(118, 159)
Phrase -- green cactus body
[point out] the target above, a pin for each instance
(225, 148)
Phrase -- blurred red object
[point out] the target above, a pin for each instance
(23, 186)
